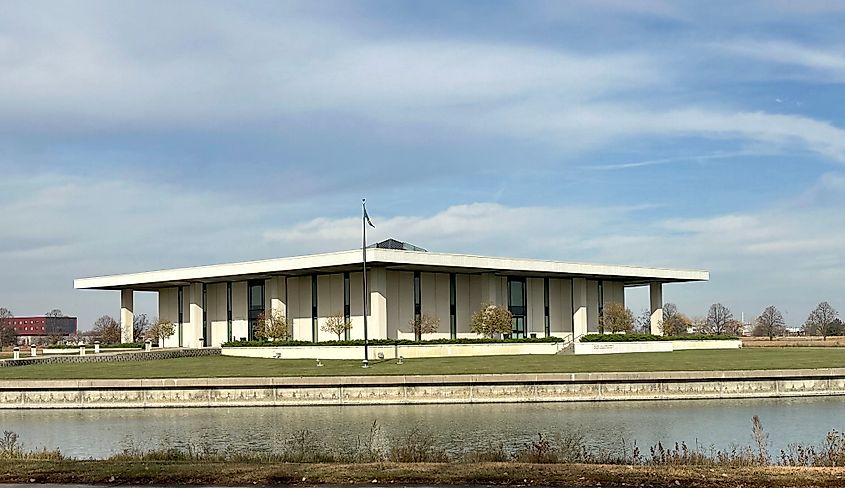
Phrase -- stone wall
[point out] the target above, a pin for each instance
(381, 390)
(111, 357)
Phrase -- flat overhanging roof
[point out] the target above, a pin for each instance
(391, 259)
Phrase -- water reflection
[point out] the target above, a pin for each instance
(99, 433)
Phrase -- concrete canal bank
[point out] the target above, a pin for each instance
(381, 390)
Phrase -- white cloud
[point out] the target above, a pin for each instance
(828, 62)
(226, 67)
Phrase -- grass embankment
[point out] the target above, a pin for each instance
(225, 366)
(573, 475)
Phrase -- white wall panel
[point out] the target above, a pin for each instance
(240, 322)
(592, 306)
(356, 301)
(535, 290)
(560, 305)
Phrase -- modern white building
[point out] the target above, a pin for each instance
(218, 303)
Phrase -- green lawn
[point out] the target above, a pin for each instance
(223, 366)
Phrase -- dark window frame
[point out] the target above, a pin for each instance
(347, 299)
(546, 316)
(453, 306)
(255, 311)
(314, 313)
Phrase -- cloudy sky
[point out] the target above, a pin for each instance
(146, 135)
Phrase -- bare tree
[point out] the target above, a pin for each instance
(674, 322)
(425, 324)
(272, 326)
(720, 320)
(54, 313)
(821, 321)
(140, 324)
(337, 324)
(491, 320)
(770, 323)
(8, 333)
(643, 321)
(160, 330)
(107, 329)
(616, 318)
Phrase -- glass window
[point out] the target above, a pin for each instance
(517, 292)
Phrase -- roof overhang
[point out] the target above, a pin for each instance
(391, 259)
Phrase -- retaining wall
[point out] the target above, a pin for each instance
(394, 351)
(381, 390)
(111, 357)
(652, 346)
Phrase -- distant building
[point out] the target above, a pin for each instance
(32, 330)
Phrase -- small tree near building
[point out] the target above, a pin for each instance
(491, 320)
(337, 324)
(769, 324)
(54, 313)
(272, 326)
(160, 330)
(821, 321)
(674, 322)
(107, 329)
(425, 324)
(616, 318)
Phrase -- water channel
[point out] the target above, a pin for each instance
(716, 423)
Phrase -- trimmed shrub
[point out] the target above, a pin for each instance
(390, 342)
(651, 337)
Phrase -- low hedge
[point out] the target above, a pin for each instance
(389, 342)
(652, 337)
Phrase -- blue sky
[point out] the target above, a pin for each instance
(146, 135)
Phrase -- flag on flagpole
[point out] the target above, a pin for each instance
(367, 217)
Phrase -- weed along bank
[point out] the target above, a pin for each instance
(212, 305)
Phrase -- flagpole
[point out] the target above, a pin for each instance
(364, 255)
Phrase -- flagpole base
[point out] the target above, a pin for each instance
(365, 364)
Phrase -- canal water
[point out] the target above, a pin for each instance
(708, 423)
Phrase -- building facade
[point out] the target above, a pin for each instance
(33, 330)
(214, 304)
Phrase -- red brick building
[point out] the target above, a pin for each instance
(36, 329)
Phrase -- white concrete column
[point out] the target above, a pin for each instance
(276, 293)
(656, 298)
(377, 321)
(194, 330)
(127, 315)
(579, 307)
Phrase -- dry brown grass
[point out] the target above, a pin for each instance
(574, 475)
(806, 341)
